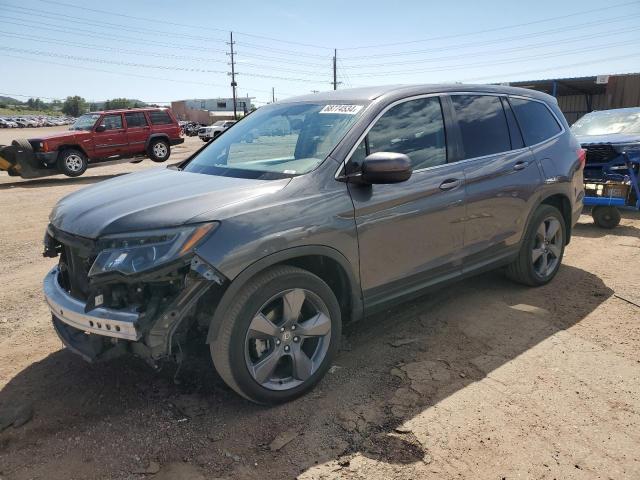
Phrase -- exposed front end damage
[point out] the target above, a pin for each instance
(147, 313)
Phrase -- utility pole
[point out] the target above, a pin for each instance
(273, 94)
(335, 68)
(233, 78)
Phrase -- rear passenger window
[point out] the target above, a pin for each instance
(536, 121)
(415, 128)
(136, 119)
(160, 117)
(483, 125)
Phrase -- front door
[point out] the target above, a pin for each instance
(113, 139)
(409, 234)
(137, 131)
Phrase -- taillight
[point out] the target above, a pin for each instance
(582, 156)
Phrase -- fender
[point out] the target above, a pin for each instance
(279, 257)
(154, 136)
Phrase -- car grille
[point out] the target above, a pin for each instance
(76, 257)
(600, 153)
(202, 131)
(74, 269)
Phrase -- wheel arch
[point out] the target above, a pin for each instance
(155, 136)
(325, 262)
(562, 203)
(71, 146)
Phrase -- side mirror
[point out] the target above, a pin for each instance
(101, 128)
(385, 167)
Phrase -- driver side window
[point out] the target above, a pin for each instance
(415, 128)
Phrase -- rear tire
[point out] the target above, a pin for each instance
(260, 353)
(606, 217)
(72, 162)
(541, 250)
(159, 150)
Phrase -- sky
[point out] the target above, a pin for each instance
(163, 50)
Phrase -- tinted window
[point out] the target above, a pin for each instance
(136, 119)
(514, 130)
(112, 122)
(536, 121)
(483, 125)
(160, 117)
(414, 128)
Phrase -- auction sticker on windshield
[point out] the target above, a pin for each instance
(343, 109)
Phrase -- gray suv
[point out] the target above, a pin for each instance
(310, 213)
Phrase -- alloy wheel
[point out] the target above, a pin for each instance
(160, 150)
(547, 247)
(73, 163)
(287, 339)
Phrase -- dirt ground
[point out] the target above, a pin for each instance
(482, 380)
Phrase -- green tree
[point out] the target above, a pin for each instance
(117, 103)
(74, 106)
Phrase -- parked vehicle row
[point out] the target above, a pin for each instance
(33, 121)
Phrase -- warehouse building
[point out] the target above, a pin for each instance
(580, 95)
(208, 111)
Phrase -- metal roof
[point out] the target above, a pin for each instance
(568, 86)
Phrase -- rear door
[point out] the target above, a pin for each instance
(410, 234)
(501, 177)
(137, 131)
(113, 140)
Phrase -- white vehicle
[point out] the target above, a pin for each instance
(4, 123)
(212, 131)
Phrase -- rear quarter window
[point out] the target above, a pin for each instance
(536, 121)
(159, 117)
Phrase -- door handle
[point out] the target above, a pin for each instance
(449, 184)
(521, 165)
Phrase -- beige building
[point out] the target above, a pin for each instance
(208, 111)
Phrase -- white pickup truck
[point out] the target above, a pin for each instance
(212, 131)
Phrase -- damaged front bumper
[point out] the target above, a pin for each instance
(120, 323)
(98, 333)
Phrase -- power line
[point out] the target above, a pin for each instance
(128, 40)
(102, 24)
(579, 38)
(506, 27)
(90, 46)
(499, 40)
(490, 64)
(562, 67)
(167, 22)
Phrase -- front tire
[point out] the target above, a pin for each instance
(72, 162)
(279, 336)
(542, 248)
(159, 150)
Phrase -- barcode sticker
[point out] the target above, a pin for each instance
(342, 109)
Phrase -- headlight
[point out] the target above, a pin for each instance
(140, 251)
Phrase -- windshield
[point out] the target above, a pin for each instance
(277, 141)
(608, 121)
(85, 122)
(219, 123)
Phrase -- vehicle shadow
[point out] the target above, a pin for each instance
(456, 337)
(57, 181)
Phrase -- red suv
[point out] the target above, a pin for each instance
(109, 135)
